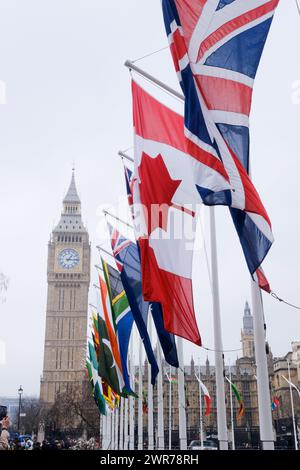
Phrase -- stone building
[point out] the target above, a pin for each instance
(243, 375)
(281, 390)
(247, 333)
(68, 276)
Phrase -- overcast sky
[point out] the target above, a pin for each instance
(68, 100)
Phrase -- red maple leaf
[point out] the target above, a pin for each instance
(156, 191)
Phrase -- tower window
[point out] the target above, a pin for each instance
(77, 239)
(72, 238)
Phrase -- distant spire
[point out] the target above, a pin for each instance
(207, 368)
(247, 311)
(72, 194)
(192, 366)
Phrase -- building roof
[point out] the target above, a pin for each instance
(72, 194)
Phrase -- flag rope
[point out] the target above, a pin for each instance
(150, 54)
(275, 296)
(221, 351)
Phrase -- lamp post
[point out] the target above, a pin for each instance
(292, 406)
(20, 392)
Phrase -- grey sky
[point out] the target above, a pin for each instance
(68, 99)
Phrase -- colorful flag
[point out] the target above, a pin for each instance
(275, 403)
(129, 180)
(238, 397)
(127, 256)
(107, 367)
(95, 333)
(107, 336)
(145, 403)
(174, 380)
(111, 398)
(130, 280)
(165, 206)
(206, 397)
(216, 47)
(92, 370)
(122, 315)
(166, 339)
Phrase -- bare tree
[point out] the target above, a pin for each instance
(73, 413)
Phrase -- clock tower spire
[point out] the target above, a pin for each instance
(68, 276)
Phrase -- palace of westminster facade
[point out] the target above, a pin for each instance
(243, 375)
(68, 274)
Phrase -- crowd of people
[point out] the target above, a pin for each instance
(15, 443)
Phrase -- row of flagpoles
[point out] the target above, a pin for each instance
(210, 172)
(117, 426)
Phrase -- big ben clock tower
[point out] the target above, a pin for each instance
(67, 302)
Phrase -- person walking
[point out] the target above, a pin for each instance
(4, 437)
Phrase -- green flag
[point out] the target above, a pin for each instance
(107, 368)
(122, 317)
(92, 369)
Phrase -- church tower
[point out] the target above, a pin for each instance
(68, 276)
(247, 333)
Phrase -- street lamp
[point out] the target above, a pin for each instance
(20, 392)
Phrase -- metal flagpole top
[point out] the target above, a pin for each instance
(131, 66)
(106, 212)
(124, 155)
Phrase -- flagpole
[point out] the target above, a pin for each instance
(131, 399)
(181, 396)
(121, 437)
(126, 425)
(117, 428)
(170, 407)
(231, 411)
(263, 392)
(131, 66)
(109, 446)
(160, 402)
(113, 430)
(140, 399)
(200, 407)
(150, 396)
(104, 438)
(292, 405)
(221, 410)
(219, 363)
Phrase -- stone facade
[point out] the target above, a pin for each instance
(243, 375)
(247, 333)
(68, 276)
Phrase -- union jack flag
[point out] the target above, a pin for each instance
(129, 179)
(118, 244)
(216, 47)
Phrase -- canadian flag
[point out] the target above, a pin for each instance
(166, 204)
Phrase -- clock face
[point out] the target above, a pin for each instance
(68, 258)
